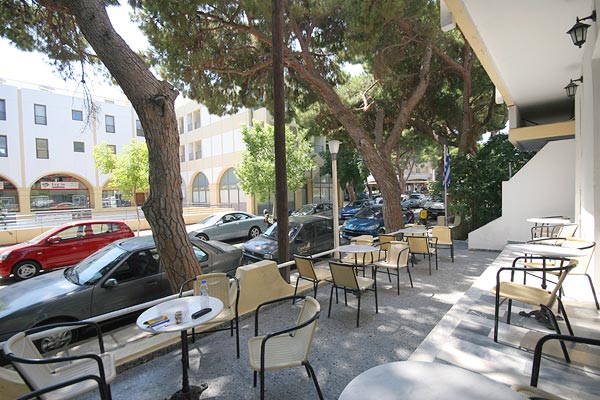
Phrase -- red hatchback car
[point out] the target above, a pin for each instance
(60, 247)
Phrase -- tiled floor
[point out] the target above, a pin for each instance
(464, 337)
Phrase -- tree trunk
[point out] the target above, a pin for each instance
(154, 103)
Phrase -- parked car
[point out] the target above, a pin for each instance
(353, 207)
(123, 274)
(308, 234)
(314, 208)
(415, 200)
(60, 247)
(369, 221)
(435, 207)
(229, 225)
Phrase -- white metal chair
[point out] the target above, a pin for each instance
(396, 258)
(423, 245)
(307, 271)
(444, 238)
(532, 391)
(344, 277)
(531, 295)
(227, 289)
(61, 377)
(285, 348)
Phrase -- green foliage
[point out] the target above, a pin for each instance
(257, 169)
(350, 167)
(476, 188)
(129, 169)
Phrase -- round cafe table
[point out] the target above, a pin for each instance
(188, 306)
(418, 380)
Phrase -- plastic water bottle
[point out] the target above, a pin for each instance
(204, 294)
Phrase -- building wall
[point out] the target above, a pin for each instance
(543, 187)
(23, 168)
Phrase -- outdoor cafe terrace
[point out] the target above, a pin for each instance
(447, 318)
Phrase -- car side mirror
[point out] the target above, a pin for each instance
(111, 283)
(53, 239)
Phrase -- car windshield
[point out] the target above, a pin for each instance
(92, 269)
(369, 213)
(293, 230)
(38, 237)
(356, 203)
(211, 219)
(304, 210)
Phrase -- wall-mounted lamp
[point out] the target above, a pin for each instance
(571, 88)
(578, 32)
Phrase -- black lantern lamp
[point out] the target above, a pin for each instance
(578, 32)
(571, 88)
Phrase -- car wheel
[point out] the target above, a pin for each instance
(202, 236)
(26, 269)
(58, 340)
(254, 232)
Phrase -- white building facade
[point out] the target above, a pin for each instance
(46, 142)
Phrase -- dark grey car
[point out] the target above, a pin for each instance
(308, 235)
(122, 274)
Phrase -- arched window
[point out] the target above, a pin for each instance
(200, 190)
(231, 194)
(9, 196)
(59, 192)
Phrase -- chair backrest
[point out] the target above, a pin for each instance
(398, 253)
(583, 262)
(567, 231)
(562, 274)
(456, 220)
(418, 244)
(366, 240)
(37, 376)
(343, 275)
(442, 233)
(310, 309)
(220, 285)
(305, 267)
(385, 240)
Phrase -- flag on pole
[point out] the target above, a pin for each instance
(446, 180)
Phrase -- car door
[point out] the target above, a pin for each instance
(323, 236)
(136, 280)
(100, 234)
(227, 229)
(243, 224)
(66, 247)
(303, 241)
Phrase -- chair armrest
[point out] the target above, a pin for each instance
(547, 240)
(183, 285)
(234, 294)
(38, 392)
(94, 325)
(55, 360)
(281, 299)
(292, 329)
(537, 355)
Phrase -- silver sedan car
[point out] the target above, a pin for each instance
(229, 225)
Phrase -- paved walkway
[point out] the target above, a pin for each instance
(433, 321)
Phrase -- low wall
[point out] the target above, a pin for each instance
(191, 215)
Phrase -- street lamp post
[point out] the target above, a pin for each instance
(334, 146)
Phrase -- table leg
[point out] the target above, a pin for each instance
(187, 392)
